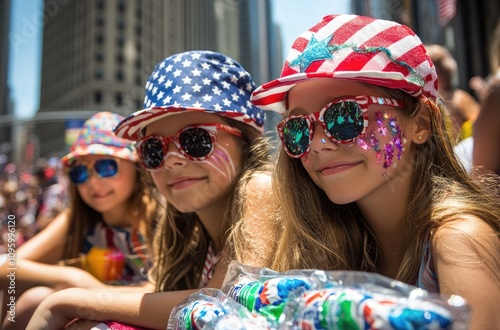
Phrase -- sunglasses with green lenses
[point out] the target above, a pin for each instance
(343, 120)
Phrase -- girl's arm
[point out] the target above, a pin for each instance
(467, 260)
(257, 224)
(486, 151)
(46, 247)
(150, 310)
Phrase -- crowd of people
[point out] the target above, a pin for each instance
(367, 179)
(32, 194)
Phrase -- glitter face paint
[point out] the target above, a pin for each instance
(386, 153)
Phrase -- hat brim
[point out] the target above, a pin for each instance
(102, 150)
(132, 127)
(270, 96)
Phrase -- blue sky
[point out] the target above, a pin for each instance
(294, 17)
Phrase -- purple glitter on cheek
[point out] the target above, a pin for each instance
(388, 155)
(380, 118)
(223, 155)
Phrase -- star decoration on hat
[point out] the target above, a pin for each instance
(314, 51)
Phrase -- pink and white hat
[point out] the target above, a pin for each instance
(364, 49)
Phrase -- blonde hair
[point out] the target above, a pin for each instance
(181, 242)
(316, 233)
(143, 208)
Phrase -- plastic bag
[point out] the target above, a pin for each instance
(315, 299)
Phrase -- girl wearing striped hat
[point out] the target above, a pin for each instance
(199, 136)
(367, 179)
(105, 231)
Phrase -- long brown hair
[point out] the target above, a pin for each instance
(317, 233)
(181, 242)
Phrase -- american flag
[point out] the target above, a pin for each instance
(447, 9)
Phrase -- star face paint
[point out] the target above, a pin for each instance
(386, 140)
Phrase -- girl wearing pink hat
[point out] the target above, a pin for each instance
(367, 179)
(103, 232)
(199, 136)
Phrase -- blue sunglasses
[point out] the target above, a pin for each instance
(104, 168)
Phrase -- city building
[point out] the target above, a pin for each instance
(97, 55)
(464, 27)
(6, 108)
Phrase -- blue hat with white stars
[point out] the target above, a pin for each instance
(195, 81)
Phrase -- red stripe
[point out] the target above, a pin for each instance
(347, 30)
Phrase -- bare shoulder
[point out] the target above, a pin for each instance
(260, 182)
(468, 239)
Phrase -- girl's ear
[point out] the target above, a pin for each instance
(422, 127)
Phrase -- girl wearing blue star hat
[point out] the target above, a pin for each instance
(200, 138)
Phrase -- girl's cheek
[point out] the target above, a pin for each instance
(386, 140)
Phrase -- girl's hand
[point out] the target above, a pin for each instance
(50, 314)
(76, 277)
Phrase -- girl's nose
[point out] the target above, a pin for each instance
(321, 141)
(174, 158)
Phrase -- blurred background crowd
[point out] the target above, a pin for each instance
(33, 194)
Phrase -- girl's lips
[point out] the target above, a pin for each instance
(336, 168)
(101, 195)
(183, 182)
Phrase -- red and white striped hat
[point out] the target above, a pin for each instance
(364, 49)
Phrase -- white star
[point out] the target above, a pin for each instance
(242, 73)
(229, 61)
(216, 75)
(217, 106)
(168, 83)
(149, 86)
(162, 65)
(155, 89)
(241, 91)
(160, 95)
(224, 69)
(197, 104)
(225, 84)
(249, 87)
(167, 99)
(186, 80)
(226, 102)
(177, 89)
(196, 72)
(205, 66)
(207, 98)
(216, 90)
(169, 68)
(243, 109)
(177, 73)
(178, 58)
(176, 104)
(249, 104)
(206, 81)
(235, 97)
(234, 79)
(215, 62)
(186, 63)
(162, 79)
(195, 56)
(155, 75)
(186, 96)
(196, 88)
